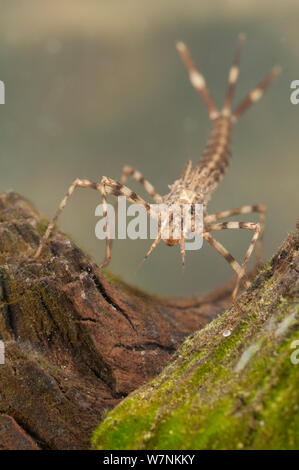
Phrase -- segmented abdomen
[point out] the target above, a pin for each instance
(215, 158)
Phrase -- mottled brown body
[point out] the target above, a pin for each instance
(196, 184)
(215, 159)
(204, 178)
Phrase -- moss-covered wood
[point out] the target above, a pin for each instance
(231, 385)
(77, 340)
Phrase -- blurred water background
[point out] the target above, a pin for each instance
(93, 85)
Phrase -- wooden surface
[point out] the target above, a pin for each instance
(76, 340)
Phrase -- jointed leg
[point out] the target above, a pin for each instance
(135, 174)
(110, 186)
(106, 186)
(76, 184)
(149, 188)
(182, 242)
(238, 225)
(260, 208)
(153, 245)
(223, 251)
(182, 249)
(108, 239)
(246, 258)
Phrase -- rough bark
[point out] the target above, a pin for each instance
(233, 384)
(77, 340)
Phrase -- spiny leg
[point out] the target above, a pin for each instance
(182, 249)
(223, 251)
(149, 188)
(78, 183)
(187, 170)
(106, 186)
(182, 241)
(108, 239)
(110, 186)
(260, 208)
(135, 174)
(161, 226)
(153, 245)
(238, 225)
(246, 259)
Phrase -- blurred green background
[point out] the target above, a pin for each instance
(93, 85)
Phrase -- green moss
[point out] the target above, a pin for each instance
(42, 225)
(126, 432)
(235, 392)
(112, 278)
